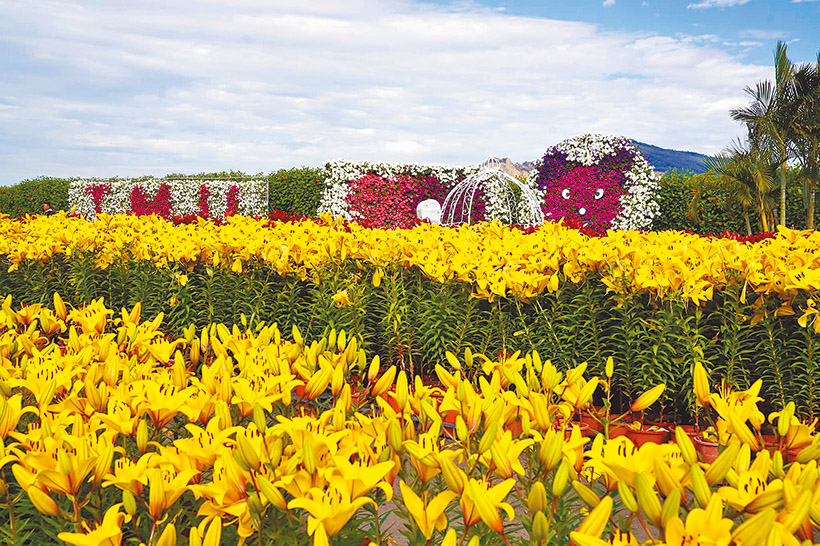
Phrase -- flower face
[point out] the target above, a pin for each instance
(586, 194)
(600, 181)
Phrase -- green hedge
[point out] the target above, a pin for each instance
(296, 191)
(411, 319)
(676, 192)
(28, 196)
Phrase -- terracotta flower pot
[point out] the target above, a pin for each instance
(591, 422)
(618, 428)
(708, 450)
(582, 426)
(449, 425)
(515, 427)
(640, 437)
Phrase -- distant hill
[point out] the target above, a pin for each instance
(661, 159)
(664, 159)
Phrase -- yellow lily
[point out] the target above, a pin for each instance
(480, 501)
(703, 526)
(330, 508)
(108, 533)
(428, 514)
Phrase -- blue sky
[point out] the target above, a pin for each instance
(115, 88)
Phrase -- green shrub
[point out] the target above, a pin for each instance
(712, 215)
(28, 196)
(296, 191)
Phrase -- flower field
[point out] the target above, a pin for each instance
(114, 433)
(265, 381)
(655, 302)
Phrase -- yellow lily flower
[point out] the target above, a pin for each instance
(164, 488)
(703, 526)
(108, 533)
(330, 508)
(480, 501)
(428, 514)
(752, 492)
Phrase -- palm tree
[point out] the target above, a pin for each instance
(806, 143)
(746, 176)
(771, 116)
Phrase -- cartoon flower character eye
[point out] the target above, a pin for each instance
(565, 193)
(599, 193)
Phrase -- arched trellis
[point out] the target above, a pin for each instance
(509, 200)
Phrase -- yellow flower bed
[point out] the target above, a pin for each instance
(494, 259)
(113, 433)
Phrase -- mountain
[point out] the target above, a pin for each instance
(661, 159)
(664, 159)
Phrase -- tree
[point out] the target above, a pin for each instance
(770, 118)
(746, 176)
(806, 141)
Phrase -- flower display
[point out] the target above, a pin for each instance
(377, 202)
(204, 208)
(602, 181)
(356, 200)
(160, 204)
(184, 196)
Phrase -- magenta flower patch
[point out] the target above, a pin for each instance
(585, 194)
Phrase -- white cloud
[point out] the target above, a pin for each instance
(608, 3)
(149, 88)
(763, 34)
(717, 4)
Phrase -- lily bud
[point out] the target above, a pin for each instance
(168, 536)
(401, 391)
(275, 450)
(308, 457)
(384, 382)
(671, 506)
(648, 398)
(395, 438)
(259, 418)
(540, 527)
(627, 497)
(687, 448)
(59, 307)
(142, 436)
(784, 421)
(461, 429)
(587, 495)
(271, 493)
(700, 487)
(700, 382)
(488, 438)
(648, 499)
(559, 481)
(247, 451)
(43, 502)
(537, 499)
